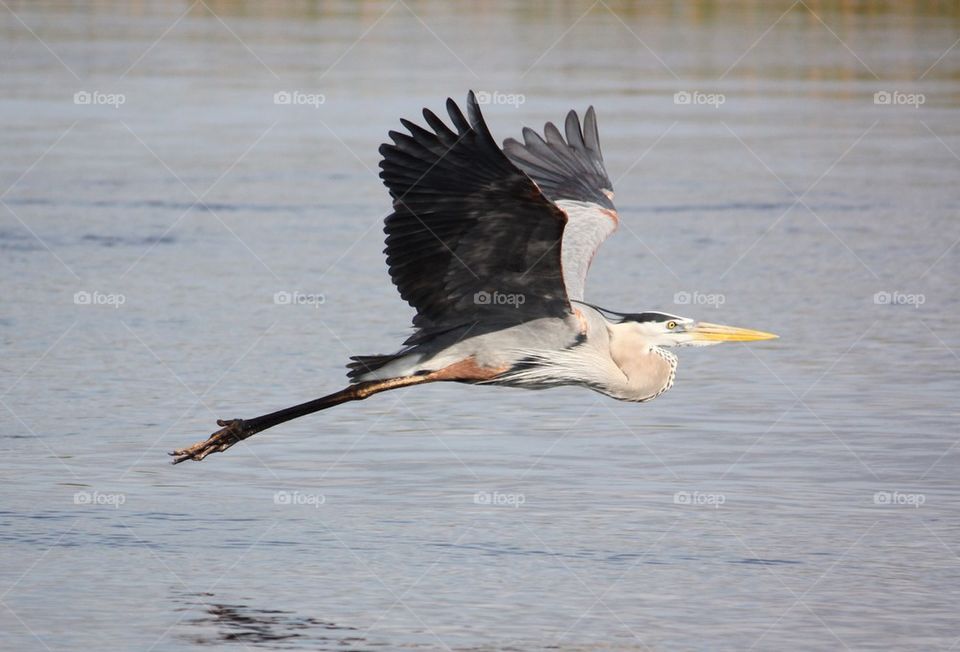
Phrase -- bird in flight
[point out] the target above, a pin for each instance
(491, 246)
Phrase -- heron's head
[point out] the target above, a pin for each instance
(664, 329)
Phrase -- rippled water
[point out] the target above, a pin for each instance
(797, 493)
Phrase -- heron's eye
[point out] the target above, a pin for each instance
(671, 325)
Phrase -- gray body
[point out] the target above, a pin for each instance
(582, 349)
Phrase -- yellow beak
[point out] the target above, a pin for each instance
(707, 332)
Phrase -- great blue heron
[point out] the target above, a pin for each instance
(491, 247)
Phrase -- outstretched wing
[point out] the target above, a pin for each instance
(571, 173)
(471, 238)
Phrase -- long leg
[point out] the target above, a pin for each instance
(235, 430)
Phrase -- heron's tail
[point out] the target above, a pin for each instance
(364, 364)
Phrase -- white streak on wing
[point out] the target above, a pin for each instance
(588, 225)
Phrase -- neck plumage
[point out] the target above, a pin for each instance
(649, 370)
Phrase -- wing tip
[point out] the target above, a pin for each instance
(564, 163)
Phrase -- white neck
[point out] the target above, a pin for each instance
(649, 370)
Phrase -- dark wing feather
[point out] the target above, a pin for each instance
(565, 169)
(467, 221)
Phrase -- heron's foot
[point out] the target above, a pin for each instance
(231, 432)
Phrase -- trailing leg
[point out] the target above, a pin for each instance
(236, 430)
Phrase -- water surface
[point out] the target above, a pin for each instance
(798, 490)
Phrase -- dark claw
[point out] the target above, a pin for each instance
(230, 433)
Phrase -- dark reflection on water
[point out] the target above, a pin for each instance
(249, 625)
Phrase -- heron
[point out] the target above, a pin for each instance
(491, 246)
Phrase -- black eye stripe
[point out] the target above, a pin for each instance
(635, 317)
(648, 317)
